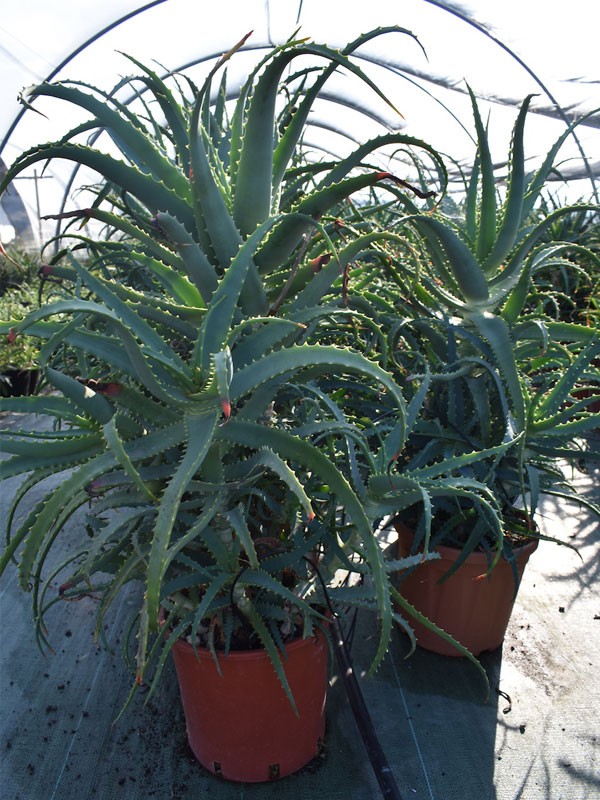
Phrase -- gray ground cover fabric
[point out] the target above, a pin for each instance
(536, 738)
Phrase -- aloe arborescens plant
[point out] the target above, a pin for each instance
(198, 401)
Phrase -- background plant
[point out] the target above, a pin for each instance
(568, 285)
(17, 268)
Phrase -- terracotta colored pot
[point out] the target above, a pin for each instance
(240, 723)
(471, 607)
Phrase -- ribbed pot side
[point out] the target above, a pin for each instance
(240, 723)
(471, 606)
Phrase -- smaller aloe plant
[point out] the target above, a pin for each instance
(501, 376)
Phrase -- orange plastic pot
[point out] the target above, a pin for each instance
(240, 723)
(471, 606)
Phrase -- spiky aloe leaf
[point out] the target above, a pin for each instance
(217, 322)
(225, 238)
(343, 167)
(198, 528)
(496, 332)
(559, 428)
(288, 234)
(560, 393)
(164, 313)
(52, 458)
(266, 335)
(277, 465)
(47, 514)
(555, 332)
(460, 462)
(261, 579)
(199, 269)
(466, 270)
(182, 289)
(48, 517)
(125, 129)
(52, 405)
(253, 196)
(538, 181)
(130, 319)
(315, 359)
(117, 528)
(317, 285)
(174, 116)
(108, 349)
(486, 233)
(215, 216)
(286, 146)
(145, 239)
(53, 443)
(239, 113)
(247, 608)
(472, 204)
(199, 436)
(240, 528)
(156, 375)
(513, 206)
(90, 402)
(505, 280)
(116, 445)
(153, 194)
(128, 570)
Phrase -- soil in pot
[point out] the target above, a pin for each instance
(471, 606)
(240, 723)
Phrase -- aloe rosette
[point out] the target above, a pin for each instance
(504, 375)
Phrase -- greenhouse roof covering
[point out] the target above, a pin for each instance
(503, 51)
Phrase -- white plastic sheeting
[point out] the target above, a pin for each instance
(504, 51)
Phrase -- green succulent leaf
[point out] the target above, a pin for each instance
(90, 402)
(496, 332)
(466, 269)
(126, 131)
(152, 193)
(486, 234)
(510, 225)
(200, 430)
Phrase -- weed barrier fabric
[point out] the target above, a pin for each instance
(537, 736)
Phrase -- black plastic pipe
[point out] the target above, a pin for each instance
(364, 723)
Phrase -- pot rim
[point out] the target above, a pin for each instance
(477, 557)
(249, 655)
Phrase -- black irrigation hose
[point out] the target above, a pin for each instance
(364, 723)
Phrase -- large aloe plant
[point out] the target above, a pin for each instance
(201, 389)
